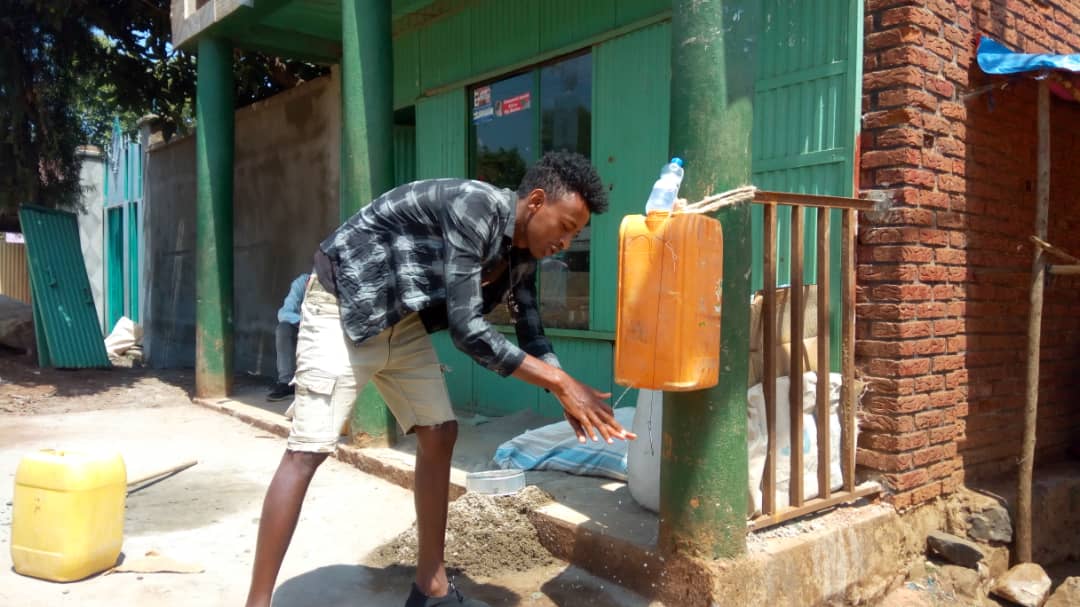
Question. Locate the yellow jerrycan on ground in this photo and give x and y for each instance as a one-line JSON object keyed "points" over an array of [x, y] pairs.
{"points": [[669, 295], [67, 518]]}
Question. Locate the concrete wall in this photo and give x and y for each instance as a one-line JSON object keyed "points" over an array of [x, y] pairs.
{"points": [[169, 331], [91, 224], [285, 202]]}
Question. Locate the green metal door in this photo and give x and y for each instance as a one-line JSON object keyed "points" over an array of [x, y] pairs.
{"points": [[404, 154], [114, 266], [123, 197], [630, 144], [806, 121], [440, 135]]}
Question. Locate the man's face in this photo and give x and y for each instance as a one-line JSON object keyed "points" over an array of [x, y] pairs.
{"points": [[553, 221]]}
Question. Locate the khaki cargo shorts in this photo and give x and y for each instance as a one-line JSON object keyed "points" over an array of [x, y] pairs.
{"points": [[330, 370]]}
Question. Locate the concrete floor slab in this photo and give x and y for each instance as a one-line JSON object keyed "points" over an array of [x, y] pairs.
{"points": [[208, 514], [846, 555], [596, 524]]}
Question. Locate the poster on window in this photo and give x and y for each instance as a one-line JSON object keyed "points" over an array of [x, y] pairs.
{"points": [[514, 104], [483, 114], [483, 110], [481, 96]]}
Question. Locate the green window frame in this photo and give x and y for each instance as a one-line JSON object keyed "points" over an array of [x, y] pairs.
{"points": [[552, 103]]}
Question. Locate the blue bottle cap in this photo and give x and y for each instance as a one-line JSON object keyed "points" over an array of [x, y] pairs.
{"points": [[677, 161]]}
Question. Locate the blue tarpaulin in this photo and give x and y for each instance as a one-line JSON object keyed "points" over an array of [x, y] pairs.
{"points": [[996, 58]]}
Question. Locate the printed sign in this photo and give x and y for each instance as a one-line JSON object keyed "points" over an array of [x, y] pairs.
{"points": [[484, 113], [481, 96], [14, 237], [512, 105]]}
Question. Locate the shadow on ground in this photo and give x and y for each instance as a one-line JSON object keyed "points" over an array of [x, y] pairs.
{"points": [[349, 585]]}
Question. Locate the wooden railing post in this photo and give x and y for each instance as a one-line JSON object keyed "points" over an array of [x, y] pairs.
{"points": [[772, 512], [768, 353], [798, 308], [823, 383]]}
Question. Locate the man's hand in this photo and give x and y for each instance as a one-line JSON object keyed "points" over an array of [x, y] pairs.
{"points": [[584, 407], [587, 412]]}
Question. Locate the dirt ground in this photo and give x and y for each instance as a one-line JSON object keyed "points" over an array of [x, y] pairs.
{"points": [[208, 515], [487, 536]]}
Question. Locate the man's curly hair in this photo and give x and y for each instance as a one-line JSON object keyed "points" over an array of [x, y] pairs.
{"points": [[559, 173]]}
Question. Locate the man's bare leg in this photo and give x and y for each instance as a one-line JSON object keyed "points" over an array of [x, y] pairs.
{"points": [[435, 445], [280, 512]]}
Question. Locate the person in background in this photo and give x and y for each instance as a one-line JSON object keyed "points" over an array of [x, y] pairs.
{"points": [[285, 339]]}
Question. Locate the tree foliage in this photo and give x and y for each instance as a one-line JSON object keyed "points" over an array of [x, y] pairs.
{"points": [[67, 67]]}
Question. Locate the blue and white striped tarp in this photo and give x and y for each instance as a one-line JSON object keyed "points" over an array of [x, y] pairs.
{"points": [[555, 447]]}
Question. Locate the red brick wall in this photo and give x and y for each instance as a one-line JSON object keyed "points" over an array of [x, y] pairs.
{"points": [[944, 273]]}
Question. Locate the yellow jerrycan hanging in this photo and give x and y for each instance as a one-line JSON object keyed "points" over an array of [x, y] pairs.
{"points": [[67, 519], [669, 294]]}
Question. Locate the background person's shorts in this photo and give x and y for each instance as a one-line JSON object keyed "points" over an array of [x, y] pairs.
{"points": [[330, 370]]}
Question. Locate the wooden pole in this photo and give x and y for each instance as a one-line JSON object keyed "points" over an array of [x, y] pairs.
{"points": [[1052, 250], [1038, 275], [824, 442], [795, 393], [158, 473], [1071, 270], [847, 348], [769, 503]]}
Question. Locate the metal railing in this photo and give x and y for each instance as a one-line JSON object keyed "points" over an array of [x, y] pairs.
{"points": [[773, 512]]}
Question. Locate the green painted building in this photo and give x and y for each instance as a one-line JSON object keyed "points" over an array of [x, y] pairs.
{"points": [[768, 91], [495, 84], [481, 88]]}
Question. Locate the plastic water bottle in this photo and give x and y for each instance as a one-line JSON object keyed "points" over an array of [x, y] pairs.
{"points": [[666, 188]]}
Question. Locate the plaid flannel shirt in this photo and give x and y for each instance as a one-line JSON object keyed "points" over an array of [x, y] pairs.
{"points": [[424, 247]]}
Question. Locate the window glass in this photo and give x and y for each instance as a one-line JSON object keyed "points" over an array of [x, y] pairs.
{"points": [[504, 128], [566, 124], [514, 121], [504, 140]]}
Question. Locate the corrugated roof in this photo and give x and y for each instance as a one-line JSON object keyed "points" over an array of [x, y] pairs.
{"points": [[68, 332]]}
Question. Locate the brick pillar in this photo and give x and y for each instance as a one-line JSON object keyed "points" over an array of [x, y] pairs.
{"points": [[944, 271], [912, 264]]}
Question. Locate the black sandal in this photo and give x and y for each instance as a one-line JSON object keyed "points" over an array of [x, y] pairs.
{"points": [[453, 598]]}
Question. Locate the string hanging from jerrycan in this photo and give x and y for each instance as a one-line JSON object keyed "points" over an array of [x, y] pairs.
{"points": [[669, 296]]}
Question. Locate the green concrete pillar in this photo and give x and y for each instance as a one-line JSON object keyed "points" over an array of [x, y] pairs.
{"points": [[367, 103], [214, 100], [703, 469], [367, 148]]}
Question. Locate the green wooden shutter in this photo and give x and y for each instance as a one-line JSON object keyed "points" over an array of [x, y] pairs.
{"points": [[806, 120], [440, 152], [404, 154], [631, 101], [441, 135]]}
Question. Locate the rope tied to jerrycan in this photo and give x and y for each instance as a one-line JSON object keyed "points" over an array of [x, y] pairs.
{"points": [[715, 202]]}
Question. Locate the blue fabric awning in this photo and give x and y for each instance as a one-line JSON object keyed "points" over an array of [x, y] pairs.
{"points": [[996, 58]]}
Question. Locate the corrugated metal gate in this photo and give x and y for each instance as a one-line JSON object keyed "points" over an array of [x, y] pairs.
{"points": [[123, 241], [65, 318]]}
